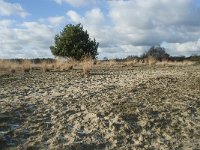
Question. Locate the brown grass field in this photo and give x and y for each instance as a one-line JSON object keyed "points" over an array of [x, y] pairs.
{"points": [[109, 105]]}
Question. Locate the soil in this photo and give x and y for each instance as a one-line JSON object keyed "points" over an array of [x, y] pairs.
{"points": [[141, 107]]}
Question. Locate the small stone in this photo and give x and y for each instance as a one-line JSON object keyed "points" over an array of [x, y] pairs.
{"points": [[83, 107]]}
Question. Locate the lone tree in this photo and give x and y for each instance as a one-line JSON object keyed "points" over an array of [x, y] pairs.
{"points": [[74, 42], [157, 52]]}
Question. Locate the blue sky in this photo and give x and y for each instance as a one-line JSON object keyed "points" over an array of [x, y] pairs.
{"points": [[122, 27]]}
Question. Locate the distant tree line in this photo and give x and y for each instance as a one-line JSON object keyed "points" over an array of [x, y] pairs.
{"points": [[156, 52], [159, 53], [35, 60]]}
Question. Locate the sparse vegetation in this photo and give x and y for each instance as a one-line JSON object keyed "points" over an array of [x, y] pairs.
{"points": [[120, 104], [87, 64], [131, 62], [151, 60], [72, 63], [45, 65], [112, 62], [26, 65]]}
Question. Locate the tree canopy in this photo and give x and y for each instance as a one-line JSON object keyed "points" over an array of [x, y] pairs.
{"points": [[157, 52], [74, 42]]}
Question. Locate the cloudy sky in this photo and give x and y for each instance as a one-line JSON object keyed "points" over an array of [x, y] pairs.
{"points": [[122, 27]]}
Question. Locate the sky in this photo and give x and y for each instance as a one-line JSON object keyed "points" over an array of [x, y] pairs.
{"points": [[122, 27]]}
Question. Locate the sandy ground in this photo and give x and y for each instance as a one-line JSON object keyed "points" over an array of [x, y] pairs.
{"points": [[120, 108]]}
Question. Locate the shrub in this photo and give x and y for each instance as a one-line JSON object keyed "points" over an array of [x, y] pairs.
{"points": [[157, 53], [74, 42]]}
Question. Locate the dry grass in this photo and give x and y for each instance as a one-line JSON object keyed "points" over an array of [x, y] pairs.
{"points": [[71, 63], [14, 67], [131, 62], [175, 63], [8, 66], [87, 64], [99, 62], [26, 65], [4, 64], [112, 63], [45, 66], [106, 63], [187, 62], [164, 62], [151, 60], [65, 65], [140, 62], [57, 65]]}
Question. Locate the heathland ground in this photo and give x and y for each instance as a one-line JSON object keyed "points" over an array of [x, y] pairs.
{"points": [[111, 106]]}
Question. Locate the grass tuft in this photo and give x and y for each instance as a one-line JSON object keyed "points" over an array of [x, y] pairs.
{"points": [[112, 63], [131, 62], [151, 60], [26, 65], [87, 64]]}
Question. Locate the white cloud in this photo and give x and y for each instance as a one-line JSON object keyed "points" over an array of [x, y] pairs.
{"points": [[54, 21], [94, 17], [94, 22], [155, 21], [136, 25], [28, 40], [5, 23], [121, 51], [72, 2], [185, 49], [8, 9], [74, 16]]}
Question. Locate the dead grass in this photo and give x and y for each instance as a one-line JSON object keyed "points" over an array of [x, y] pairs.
{"points": [[45, 66], [4, 64], [62, 65], [14, 66], [87, 64], [112, 63], [71, 63], [175, 63], [187, 62], [99, 62], [151, 60], [8, 66], [26, 65], [164, 62], [57, 65], [131, 62]]}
